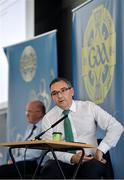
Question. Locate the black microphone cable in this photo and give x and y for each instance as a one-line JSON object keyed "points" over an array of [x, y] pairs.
{"points": [[53, 125]]}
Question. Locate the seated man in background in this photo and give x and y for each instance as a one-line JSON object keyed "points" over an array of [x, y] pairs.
{"points": [[26, 163], [80, 126]]}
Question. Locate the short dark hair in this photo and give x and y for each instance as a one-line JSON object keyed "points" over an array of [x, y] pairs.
{"points": [[42, 107], [60, 79]]}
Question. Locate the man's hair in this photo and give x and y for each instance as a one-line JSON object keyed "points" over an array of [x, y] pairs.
{"points": [[60, 79], [42, 107]]}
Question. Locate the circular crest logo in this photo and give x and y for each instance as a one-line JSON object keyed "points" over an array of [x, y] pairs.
{"points": [[99, 54], [28, 64]]}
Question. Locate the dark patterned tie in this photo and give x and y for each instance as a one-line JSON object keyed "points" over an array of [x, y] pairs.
{"points": [[30, 134]]}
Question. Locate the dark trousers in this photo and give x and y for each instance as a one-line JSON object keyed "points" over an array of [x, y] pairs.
{"points": [[92, 169], [26, 168]]}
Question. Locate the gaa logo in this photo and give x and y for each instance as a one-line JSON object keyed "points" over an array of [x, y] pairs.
{"points": [[28, 63], [99, 54]]}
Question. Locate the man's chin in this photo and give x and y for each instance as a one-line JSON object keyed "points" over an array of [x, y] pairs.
{"points": [[62, 106]]}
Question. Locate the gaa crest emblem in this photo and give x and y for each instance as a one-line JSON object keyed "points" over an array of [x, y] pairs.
{"points": [[28, 63], [99, 54]]}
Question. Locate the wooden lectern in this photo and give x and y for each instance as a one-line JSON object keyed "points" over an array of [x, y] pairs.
{"points": [[47, 146]]}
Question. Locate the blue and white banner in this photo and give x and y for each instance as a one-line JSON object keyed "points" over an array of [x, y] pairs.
{"points": [[32, 66], [98, 59]]}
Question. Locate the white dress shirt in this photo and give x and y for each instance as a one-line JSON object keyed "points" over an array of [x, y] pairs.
{"points": [[30, 153], [84, 117]]}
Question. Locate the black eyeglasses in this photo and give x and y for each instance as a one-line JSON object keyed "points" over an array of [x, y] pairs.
{"points": [[61, 91]]}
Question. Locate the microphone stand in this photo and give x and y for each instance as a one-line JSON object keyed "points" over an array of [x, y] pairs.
{"points": [[53, 125]]}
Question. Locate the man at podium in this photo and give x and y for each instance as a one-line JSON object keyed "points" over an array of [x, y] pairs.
{"points": [[80, 126], [26, 163]]}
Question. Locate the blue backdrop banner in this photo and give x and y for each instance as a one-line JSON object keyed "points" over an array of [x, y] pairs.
{"points": [[98, 61], [32, 66]]}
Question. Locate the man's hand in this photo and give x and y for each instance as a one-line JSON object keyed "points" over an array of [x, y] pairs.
{"points": [[99, 156], [76, 157], [10, 162]]}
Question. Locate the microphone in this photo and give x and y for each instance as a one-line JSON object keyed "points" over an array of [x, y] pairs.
{"points": [[53, 125]]}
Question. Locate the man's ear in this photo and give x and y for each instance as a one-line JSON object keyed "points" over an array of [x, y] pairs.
{"points": [[72, 91]]}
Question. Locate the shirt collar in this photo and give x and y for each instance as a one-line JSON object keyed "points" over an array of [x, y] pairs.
{"points": [[73, 107], [38, 124]]}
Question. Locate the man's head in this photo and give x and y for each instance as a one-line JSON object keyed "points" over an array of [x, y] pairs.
{"points": [[35, 111], [62, 92]]}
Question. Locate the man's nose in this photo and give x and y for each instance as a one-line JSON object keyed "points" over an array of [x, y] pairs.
{"points": [[59, 94]]}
